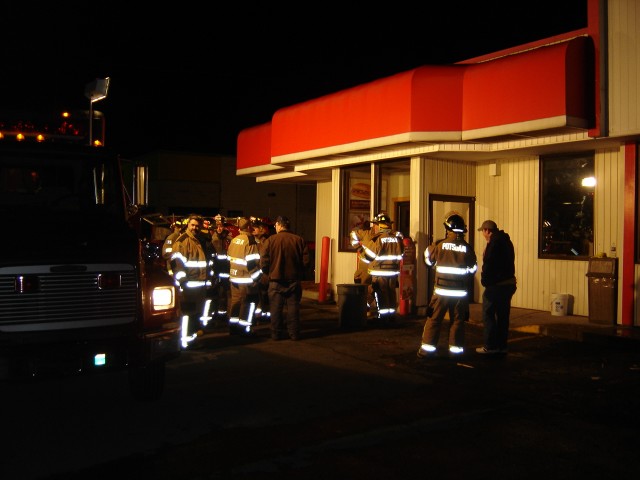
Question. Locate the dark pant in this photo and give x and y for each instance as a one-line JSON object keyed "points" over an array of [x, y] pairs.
{"points": [[219, 295], [244, 298], [496, 307], [192, 305], [384, 291], [458, 309], [283, 294]]}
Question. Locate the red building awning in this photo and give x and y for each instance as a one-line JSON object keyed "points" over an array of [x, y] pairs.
{"points": [[548, 87]]}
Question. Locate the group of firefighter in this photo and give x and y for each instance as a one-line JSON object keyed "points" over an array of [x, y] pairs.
{"points": [[216, 267], [205, 262]]}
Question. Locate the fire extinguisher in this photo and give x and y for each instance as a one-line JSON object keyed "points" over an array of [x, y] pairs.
{"points": [[407, 280]]}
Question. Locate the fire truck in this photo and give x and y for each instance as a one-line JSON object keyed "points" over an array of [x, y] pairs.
{"points": [[81, 289]]}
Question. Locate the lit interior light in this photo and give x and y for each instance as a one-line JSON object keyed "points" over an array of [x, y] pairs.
{"points": [[589, 182], [100, 359]]}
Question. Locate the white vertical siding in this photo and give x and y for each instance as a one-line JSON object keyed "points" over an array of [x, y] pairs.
{"points": [[609, 206], [624, 67], [450, 177], [419, 222], [511, 199]]}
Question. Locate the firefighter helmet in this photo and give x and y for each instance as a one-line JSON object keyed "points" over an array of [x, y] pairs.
{"points": [[455, 223], [382, 219]]}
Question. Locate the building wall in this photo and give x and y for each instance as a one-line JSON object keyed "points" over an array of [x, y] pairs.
{"points": [[512, 200], [624, 66], [208, 184], [327, 216]]}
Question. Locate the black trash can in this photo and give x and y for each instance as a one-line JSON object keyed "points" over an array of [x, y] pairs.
{"points": [[352, 305], [603, 290]]}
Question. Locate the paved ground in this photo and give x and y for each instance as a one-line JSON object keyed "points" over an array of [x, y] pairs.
{"points": [[346, 403]]}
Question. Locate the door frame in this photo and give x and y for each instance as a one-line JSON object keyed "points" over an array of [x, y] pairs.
{"points": [[466, 206]]}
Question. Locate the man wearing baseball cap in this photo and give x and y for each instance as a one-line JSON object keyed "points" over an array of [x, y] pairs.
{"points": [[499, 281]]}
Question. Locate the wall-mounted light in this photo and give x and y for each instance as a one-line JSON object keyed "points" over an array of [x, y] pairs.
{"points": [[589, 182]]}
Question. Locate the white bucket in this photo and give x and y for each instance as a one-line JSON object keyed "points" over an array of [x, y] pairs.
{"points": [[559, 303]]}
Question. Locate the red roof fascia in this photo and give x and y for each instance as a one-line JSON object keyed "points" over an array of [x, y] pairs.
{"points": [[544, 83], [551, 82], [423, 99], [254, 147]]}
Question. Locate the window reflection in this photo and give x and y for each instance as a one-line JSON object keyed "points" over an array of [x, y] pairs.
{"points": [[566, 212]]}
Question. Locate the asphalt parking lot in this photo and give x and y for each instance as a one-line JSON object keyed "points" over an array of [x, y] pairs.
{"points": [[342, 403]]}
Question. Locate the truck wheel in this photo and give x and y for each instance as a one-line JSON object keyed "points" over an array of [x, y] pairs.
{"points": [[147, 382]]}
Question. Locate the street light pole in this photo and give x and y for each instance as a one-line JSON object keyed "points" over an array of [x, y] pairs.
{"points": [[95, 91]]}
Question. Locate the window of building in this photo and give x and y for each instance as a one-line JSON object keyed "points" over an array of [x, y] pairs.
{"points": [[566, 206], [355, 202], [361, 200]]}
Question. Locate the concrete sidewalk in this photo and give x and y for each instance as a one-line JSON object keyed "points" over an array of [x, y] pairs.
{"points": [[571, 327], [539, 322]]}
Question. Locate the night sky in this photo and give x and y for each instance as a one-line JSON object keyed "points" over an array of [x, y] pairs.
{"points": [[192, 77]]}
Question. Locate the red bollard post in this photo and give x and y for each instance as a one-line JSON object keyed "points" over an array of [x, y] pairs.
{"points": [[324, 269]]}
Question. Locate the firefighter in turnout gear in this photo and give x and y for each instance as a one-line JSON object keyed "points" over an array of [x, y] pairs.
{"points": [[455, 264], [383, 252], [244, 277], [260, 230], [219, 292], [190, 272], [361, 274], [177, 227]]}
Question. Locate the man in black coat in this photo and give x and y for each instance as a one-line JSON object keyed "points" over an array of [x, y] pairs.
{"points": [[499, 282], [284, 258]]}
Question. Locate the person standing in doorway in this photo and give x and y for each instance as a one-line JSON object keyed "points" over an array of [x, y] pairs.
{"points": [[358, 237], [455, 263], [284, 258], [499, 281], [383, 252]]}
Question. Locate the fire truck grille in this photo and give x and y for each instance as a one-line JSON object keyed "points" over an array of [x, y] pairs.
{"points": [[66, 300]]}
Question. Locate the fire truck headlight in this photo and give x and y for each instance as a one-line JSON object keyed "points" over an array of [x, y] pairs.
{"points": [[164, 298]]}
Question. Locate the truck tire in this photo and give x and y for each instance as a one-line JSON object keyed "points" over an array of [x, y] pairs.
{"points": [[146, 383]]}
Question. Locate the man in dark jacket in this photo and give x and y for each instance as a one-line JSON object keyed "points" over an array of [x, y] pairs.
{"points": [[284, 258], [499, 282]]}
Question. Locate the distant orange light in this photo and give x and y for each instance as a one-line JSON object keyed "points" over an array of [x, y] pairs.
{"points": [[97, 143], [40, 138], [20, 137], [1, 135], [66, 114]]}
